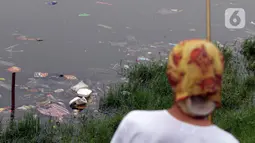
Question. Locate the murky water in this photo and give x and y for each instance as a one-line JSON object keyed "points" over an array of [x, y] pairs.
{"points": [[89, 46]]}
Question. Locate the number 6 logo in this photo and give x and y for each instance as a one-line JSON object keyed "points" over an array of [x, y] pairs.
{"points": [[235, 18]]}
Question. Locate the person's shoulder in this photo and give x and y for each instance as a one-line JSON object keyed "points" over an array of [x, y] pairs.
{"points": [[139, 116], [225, 137]]}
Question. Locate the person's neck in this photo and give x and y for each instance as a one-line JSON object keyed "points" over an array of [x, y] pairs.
{"points": [[178, 114]]}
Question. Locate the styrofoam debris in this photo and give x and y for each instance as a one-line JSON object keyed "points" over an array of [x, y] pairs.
{"points": [[126, 67], [84, 92], [59, 90], [78, 101], [79, 85]]}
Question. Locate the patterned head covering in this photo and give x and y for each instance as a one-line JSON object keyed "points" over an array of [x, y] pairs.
{"points": [[195, 67]]}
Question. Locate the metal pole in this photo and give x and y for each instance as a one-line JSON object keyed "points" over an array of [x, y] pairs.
{"points": [[13, 95], [208, 20], [208, 29]]}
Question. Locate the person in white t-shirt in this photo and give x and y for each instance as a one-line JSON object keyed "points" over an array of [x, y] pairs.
{"points": [[194, 71]]}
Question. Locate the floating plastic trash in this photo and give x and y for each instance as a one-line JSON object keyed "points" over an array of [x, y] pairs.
{"points": [[84, 92], [70, 77], [25, 107], [54, 110], [40, 74], [24, 38], [2, 79], [104, 26], [79, 85], [252, 22], [14, 69], [119, 44], [5, 63], [142, 59], [32, 90], [172, 44], [4, 85], [84, 14], [11, 47], [4, 109], [126, 67], [192, 30], [78, 103], [59, 90], [52, 3], [105, 3], [165, 11]]}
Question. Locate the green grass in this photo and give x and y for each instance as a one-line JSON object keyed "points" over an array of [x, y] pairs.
{"points": [[147, 88]]}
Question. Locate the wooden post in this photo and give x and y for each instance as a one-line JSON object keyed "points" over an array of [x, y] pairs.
{"points": [[13, 95]]}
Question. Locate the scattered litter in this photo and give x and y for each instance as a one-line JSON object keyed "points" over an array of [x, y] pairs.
{"points": [[105, 3], [252, 22], [249, 31], [118, 44], [24, 38], [52, 3], [142, 58], [2, 79], [59, 90], [126, 67], [165, 11], [84, 92], [11, 51], [149, 53], [124, 79], [172, 44], [131, 38], [11, 47], [79, 85], [39, 40], [232, 3], [78, 103], [14, 69], [4, 109], [4, 85], [192, 30], [32, 90], [128, 28], [104, 26], [40, 74], [84, 14], [75, 112], [5, 63], [25, 107], [54, 110], [70, 77]]}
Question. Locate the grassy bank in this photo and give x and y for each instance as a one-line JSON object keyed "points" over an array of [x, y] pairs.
{"points": [[148, 89]]}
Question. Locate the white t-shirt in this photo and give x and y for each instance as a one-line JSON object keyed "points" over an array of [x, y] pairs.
{"points": [[161, 127]]}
